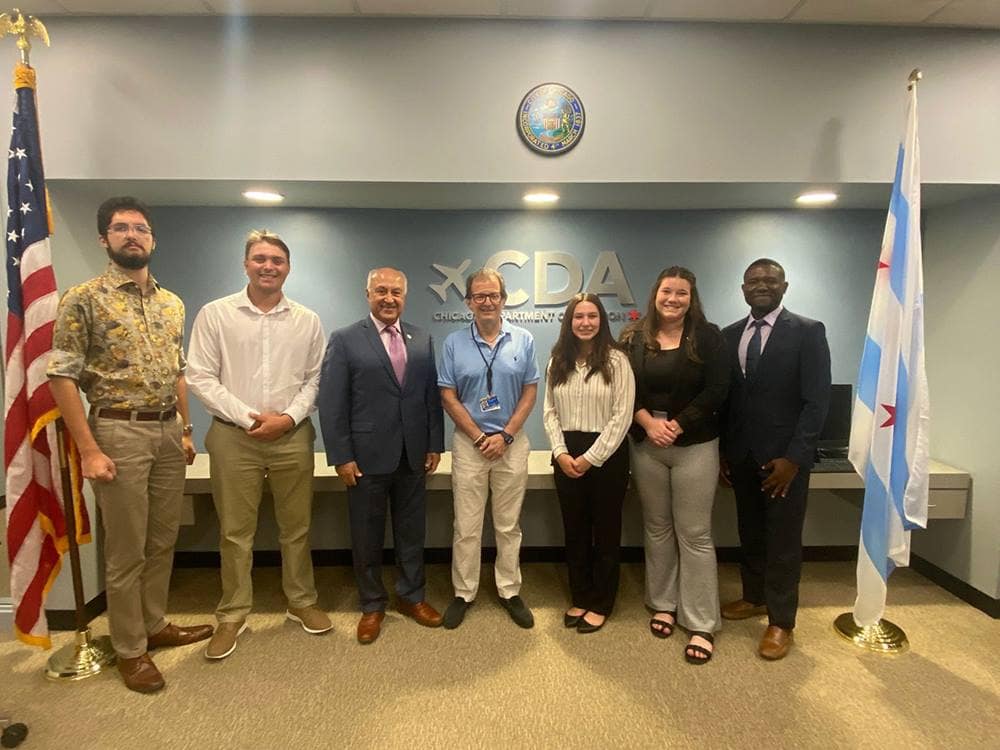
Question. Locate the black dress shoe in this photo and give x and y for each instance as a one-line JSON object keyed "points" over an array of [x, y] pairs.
{"points": [[570, 621], [585, 627], [455, 613], [518, 611]]}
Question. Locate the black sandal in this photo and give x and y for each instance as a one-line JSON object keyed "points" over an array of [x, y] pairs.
{"points": [[662, 628], [701, 654]]}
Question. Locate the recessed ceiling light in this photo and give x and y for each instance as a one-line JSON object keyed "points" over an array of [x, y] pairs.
{"points": [[263, 196], [818, 198], [540, 197]]}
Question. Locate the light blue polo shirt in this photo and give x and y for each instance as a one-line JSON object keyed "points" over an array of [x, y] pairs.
{"points": [[463, 369]]}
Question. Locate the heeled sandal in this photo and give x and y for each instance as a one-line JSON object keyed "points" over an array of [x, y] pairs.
{"points": [[662, 628], [701, 654]]}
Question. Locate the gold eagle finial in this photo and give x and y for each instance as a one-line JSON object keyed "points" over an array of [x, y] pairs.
{"points": [[21, 26]]}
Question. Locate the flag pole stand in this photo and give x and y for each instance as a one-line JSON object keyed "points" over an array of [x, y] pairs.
{"points": [[86, 656], [883, 637]]}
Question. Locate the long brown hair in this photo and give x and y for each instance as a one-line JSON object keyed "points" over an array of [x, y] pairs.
{"points": [[694, 318], [567, 346]]}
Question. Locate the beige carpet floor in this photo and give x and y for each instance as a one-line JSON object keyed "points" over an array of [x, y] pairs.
{"points": [[490, 684]]}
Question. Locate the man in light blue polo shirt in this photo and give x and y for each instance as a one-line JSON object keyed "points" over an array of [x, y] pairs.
{"points": [[489, 381]]}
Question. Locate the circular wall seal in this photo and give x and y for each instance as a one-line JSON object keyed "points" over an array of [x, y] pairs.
{"points": [[550, 119]]}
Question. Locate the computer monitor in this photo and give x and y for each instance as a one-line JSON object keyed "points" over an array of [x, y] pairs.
{"points": [[836, 432]]}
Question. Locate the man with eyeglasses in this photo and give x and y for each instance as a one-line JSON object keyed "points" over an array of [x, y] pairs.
{"points": [[119, 338], [489, 381], [383, 429], [254, 362]]}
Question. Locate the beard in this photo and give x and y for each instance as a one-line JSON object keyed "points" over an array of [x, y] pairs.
{"points": [[128, 260]]}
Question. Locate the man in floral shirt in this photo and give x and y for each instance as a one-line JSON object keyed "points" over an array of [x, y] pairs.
{"points": [[119, 338]]}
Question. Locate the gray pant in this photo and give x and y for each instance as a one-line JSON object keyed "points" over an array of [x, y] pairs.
{"points": [[677, 489]]}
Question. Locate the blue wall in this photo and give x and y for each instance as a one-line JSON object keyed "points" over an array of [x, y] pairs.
{"points": [[829, 257]]}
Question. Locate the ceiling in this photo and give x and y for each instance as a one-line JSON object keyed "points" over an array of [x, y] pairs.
{"points": [[581, 196], [500, 196], [972, 13]]}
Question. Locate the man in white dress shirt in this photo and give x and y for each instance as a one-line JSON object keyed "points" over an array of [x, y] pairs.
{"points": [[254, 362]]}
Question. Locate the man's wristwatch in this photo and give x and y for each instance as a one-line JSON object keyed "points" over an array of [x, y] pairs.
{"points": [[507, 437], [187, 429]]}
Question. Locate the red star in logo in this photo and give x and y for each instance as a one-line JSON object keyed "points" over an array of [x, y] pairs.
{"points": [[891, 411], [633, 314]]}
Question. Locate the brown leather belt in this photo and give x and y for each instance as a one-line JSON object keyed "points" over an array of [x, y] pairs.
{"points": [[139, 416], [223, 421]]}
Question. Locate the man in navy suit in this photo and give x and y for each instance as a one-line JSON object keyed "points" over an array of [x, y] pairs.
{"points": [[383, 427], [779, 393]]}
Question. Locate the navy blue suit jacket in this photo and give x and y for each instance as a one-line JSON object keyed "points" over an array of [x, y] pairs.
{"points": [[781, 410], [365, 415]]}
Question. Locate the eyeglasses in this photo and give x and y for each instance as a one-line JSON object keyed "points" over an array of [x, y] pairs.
{"points": [[140, 229], [479, 299]]}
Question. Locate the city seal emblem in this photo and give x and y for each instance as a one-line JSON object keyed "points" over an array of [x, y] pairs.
{"points": [[550, 119]]}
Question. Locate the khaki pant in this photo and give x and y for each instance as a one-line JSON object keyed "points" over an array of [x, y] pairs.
{"points": [[473, 478], [140, 512], [239, 466]]}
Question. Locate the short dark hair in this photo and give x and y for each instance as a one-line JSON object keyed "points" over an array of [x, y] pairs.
{"points": [[265, 235], [766, 262], [120, 203], [485, 273]]}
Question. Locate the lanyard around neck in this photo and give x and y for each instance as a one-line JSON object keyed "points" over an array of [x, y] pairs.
{"points": [[489, 365]]}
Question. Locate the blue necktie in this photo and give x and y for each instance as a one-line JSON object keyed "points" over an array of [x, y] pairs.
{"points": [[753, 348]]}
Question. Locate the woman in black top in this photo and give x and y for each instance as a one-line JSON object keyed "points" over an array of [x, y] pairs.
{"points": [[682, 378]]}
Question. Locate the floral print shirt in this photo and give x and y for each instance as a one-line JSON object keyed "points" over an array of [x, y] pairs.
{"points": [[122, 344]]}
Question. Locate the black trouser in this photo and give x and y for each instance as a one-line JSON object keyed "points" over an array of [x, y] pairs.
{"points": [[592, 521], [403, 493], [771, 541]]}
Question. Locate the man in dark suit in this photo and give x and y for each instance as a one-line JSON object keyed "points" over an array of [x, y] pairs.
{"points": [[779, 393], [383, 427]]}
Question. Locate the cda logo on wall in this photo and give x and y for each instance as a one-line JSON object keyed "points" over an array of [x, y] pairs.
{"points": [[607, 278]]}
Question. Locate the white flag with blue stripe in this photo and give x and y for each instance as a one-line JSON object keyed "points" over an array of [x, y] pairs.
{"points": [[889, 429]]}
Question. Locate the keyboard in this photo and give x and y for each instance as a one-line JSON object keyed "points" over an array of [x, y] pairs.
{"points": [[833, 466]]}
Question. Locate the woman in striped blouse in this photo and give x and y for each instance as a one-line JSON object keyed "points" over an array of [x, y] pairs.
{"points": [[589, 398]]}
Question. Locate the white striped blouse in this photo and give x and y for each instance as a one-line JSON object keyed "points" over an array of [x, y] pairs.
{"points": [[592, 405]]}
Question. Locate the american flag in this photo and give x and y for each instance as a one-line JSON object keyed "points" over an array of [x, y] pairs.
{"points": [[36, 526], [890, 426]]}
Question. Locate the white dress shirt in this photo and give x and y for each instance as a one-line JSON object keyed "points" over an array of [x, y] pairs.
{"points": [[582, 405], [242, 360], [765, 334]]}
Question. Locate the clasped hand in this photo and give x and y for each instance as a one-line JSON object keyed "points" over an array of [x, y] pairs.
{"points": [[270, 425], [574, 468], [663, 432]]}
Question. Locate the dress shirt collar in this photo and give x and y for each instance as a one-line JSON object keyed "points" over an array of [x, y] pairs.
{"points": [[380, 326], [770, 318], [244, 301]]}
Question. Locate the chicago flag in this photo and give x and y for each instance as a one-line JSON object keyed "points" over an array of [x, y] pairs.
{"points": [[889, 428]]}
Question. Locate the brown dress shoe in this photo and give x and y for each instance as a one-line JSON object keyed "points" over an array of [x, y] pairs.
{"points": [[369, 626], [741, 609], [175, 636], [775, 643], [422, 612], [140, 674]]}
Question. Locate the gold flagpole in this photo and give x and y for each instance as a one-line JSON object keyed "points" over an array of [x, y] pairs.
{"points": [[883, 637], [86, 656]]}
